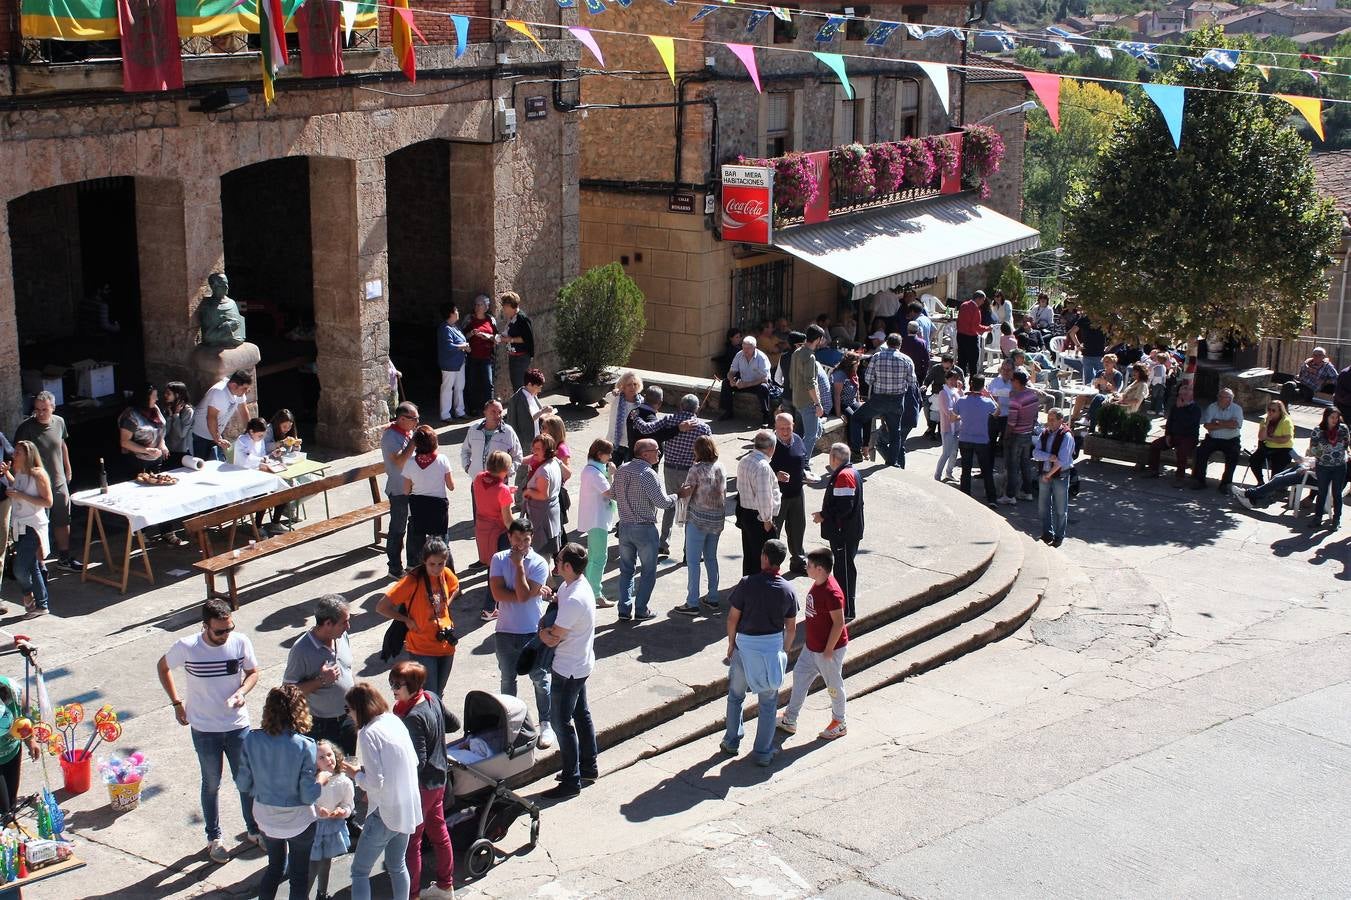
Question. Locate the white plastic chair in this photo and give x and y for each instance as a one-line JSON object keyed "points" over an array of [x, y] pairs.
{"points": [[989, 348], [1310, 483]]}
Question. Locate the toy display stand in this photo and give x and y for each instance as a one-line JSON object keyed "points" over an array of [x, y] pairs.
{"points": [[12, 889], [122, 797]]}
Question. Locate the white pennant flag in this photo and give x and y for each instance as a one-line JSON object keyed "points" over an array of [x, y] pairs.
{"points": [[938, 74], [1104, 52], [349, 17]]}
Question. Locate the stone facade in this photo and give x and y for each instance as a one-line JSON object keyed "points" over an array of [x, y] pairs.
{"points": [[634, 158], [512, 208]]}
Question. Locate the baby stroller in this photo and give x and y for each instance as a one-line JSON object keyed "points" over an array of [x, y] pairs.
{"points": [[498, 743]]}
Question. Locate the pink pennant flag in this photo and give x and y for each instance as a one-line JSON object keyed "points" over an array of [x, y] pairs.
{"points": [[1047, 88], [583, 35], [746, 53]]}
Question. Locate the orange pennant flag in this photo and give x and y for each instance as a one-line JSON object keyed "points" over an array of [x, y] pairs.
{"points": [[401, 27], [1311, 108], [666, 47], [518, 25]]}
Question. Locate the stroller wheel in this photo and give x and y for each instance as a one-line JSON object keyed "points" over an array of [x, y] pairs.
{"points": [[481, 857], [534, 831]]}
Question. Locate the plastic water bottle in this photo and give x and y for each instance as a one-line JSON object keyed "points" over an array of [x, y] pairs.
{"points": [[103, 477]]}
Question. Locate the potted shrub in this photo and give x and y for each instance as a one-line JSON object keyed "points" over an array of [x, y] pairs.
{"points": [[852, 165], [597, 323], [1121, 435]]}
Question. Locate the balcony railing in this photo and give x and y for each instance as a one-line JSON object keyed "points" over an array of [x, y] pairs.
{"points": [[845, 197], [47, 51]]}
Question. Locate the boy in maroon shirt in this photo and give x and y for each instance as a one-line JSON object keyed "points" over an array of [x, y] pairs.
{"points": [[823, 655]]}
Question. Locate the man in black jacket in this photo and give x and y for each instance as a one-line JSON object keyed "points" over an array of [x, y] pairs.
{"points": [[520, 339], [841, 521], [1180, 433]]}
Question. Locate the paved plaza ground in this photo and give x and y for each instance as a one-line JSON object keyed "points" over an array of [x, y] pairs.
{"points": [[1172, 721]]}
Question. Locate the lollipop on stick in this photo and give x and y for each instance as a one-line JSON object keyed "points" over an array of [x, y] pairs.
{"points": [[104, 717], [108, 731]]}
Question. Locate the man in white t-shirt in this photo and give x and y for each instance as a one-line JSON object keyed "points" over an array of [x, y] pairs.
{"points": [[573, 637], [221, 669], [223, 401]]}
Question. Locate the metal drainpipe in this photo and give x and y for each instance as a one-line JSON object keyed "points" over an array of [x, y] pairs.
{"points": [[975, 13], [1341, 295]]}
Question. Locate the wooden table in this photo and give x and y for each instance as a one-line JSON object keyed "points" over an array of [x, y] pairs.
{"points": [[60, 868], [299, 469], [198, 490]]}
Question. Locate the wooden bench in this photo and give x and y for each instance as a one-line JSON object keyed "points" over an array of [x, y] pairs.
{"points": [[1322, 400], [228, 562]]}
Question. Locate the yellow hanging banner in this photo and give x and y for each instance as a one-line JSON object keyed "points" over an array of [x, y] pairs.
{"points": [[666, 47], [1311, 108], [518, 25]]}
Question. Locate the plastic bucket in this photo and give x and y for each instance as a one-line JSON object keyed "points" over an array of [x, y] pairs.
{"points": [[123, 797], [76, 772]]}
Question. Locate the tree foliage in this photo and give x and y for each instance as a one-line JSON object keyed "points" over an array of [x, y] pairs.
{"points": [[598, 320], [1054, 159], [1226, 234]]}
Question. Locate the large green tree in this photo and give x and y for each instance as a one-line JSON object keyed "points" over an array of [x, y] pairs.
{"points": [[1055, 158], [1227, 234]]}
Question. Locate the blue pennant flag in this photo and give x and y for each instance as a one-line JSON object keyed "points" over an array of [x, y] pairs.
{"points": [[755, 18], [942, 31], [704, 11], [1065, 48], [566, 4], [1223, 60], [1003, 37], [1141, 51], [1060, 32], [625, 3], [596, 7], [881, 34], [915, 31], [829, 30], [1169, 98]]}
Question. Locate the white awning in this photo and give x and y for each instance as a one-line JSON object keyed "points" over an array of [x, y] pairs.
{"points": [[916, 241]]}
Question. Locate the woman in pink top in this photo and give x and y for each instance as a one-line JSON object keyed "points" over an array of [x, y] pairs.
{"points": [[492, 505]]}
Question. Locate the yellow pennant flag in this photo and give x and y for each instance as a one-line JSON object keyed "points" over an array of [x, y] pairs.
{"points": [[666, 47], [1265, 70], [1311, 108], [518, 25]]}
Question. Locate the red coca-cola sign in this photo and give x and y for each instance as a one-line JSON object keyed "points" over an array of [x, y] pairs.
{"points": [[747, 204]]}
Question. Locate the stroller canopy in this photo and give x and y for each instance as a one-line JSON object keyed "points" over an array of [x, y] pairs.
{"points": [[501, 715]]}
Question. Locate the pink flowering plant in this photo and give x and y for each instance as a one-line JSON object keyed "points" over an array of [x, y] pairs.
{"points": [[888, 161], [944, 154], [852, 164], [795, 184], [920, 168], [983, 148]]}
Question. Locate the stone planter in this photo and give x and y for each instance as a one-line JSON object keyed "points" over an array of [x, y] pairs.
{"points": [[586, 393], [1097, 447]]}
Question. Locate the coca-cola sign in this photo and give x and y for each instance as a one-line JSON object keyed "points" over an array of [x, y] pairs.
{"points": [[747, 204]]}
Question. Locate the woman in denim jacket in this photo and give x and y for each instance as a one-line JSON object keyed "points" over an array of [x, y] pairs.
{"points": [[279, 770]]}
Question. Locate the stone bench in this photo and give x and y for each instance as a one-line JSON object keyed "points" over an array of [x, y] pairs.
{"points": [[744, 406]]}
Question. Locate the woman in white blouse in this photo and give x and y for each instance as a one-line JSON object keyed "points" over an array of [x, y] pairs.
{"points": [[388, 774], [426, 480]]}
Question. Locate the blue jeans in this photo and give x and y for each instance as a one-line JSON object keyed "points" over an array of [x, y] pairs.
{"points": [[736, 697], [398, 527], [637, 545], [571, 718], [210, 747], [509, 647], [1278, 484], [28, 567], [438, 670], [1330, 478], [294, 865], [1054, 504], [888, 406], [1019, 471], [700, 546], [377, 838], [811, 427], [517, 364], [204, 449]]}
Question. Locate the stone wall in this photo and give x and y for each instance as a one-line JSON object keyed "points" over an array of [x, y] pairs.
{"points": [[528, 207]]}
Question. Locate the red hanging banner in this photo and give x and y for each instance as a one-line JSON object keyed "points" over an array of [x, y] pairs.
{"points": [[747, 204], [319, 27], [151, 60], [819, 209]]}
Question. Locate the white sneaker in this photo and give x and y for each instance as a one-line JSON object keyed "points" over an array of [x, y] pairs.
{"points": [[432, 892], [216, 850], [1241, 496], [546, 738], [1006, 501], [1026, 496]]}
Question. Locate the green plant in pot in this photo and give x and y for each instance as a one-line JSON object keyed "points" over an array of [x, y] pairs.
{"points": [[597, 322], [1116, 423]]}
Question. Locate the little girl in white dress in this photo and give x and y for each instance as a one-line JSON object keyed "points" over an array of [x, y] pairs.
{"points": [[333, 807]]}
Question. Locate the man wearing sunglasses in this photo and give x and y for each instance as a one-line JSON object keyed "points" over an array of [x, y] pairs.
{"points": [[220, 669], [396, 448]]}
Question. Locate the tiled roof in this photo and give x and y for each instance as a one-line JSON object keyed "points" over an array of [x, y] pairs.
{"points": [[1332, 170], [990, 69]]}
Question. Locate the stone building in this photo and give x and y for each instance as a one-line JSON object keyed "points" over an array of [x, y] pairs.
{"points": [[344, 213], [652, 153]]}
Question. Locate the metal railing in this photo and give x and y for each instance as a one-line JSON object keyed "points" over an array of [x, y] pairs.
{"points": [[49, 51]]}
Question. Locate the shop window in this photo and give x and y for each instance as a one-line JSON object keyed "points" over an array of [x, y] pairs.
{"points": [[907, 108]]}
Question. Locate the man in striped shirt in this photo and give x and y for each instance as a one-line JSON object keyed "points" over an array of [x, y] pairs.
{"points": [[639, 495], [891, 375], [1020, 473], [758, 500]]}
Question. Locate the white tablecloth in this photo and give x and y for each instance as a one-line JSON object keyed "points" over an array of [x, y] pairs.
{"points": [[216, 484]]}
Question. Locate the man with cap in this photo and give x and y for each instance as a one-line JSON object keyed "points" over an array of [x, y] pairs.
{"points": [[1315, 376]]}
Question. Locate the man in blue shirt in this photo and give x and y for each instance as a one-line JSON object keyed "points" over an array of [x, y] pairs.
{"points": [[396, 448], [1223, 422], [973, 433], [451, 349], [516, 577], [1053, 450]]}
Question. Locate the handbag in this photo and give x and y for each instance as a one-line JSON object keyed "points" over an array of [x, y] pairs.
{"points": [[395, 635]]}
